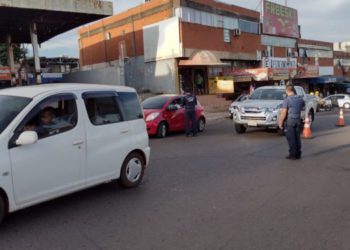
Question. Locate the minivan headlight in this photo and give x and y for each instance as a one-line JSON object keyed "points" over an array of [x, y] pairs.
{"points": [[152, 116]]}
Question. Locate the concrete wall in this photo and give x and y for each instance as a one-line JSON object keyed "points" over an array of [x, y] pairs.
{"points": [[156, 77], [109, 76]]}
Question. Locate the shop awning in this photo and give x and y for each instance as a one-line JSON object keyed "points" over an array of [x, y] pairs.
{"points": [[203, 58], [326, 80]]}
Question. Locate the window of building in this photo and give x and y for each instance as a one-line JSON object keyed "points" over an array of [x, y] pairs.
{"points": [[130, 105], [269, 51], [54, 115], [227, 37], [249, 26], [102, 108]]}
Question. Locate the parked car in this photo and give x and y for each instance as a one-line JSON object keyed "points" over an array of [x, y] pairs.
{"points": [[339, 100], [166, 113], [263, 108], [233, 105], [58, 139]]}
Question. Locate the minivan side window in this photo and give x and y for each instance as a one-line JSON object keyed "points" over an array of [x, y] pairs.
{"points": [[130, 105], [54, 115], [102, 107]]}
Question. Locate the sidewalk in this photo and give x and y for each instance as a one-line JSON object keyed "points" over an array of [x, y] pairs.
{"points": [[212, 117]]}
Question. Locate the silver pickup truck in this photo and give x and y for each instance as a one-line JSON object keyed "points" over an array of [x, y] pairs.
{"points": [[263, 108]]}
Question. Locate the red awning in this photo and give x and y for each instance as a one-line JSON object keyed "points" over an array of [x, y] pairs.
{"points": [[203, 58]]}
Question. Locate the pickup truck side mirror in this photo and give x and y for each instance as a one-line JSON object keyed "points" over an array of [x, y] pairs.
{"points": [[27, 138]]}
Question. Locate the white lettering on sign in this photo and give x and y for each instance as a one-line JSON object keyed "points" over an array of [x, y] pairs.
{"points": [[279, 62]]}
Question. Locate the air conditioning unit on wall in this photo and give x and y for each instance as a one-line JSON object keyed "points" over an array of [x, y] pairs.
{"points": [[237, 32]]}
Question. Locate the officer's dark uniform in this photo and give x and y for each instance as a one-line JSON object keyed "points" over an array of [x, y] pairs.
{"points": [[294, 105], [190, 102]]}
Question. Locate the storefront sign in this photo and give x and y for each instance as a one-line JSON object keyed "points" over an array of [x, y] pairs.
{"points": [[308, 71], [259, 74], [5, 74], [280, 20], [224, 86], [279, 62]]}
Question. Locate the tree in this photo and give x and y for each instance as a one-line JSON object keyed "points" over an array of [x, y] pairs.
{"points": [[18, 51]]}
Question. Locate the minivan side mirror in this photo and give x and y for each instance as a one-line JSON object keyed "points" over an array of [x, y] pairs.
{"points": [[27, 138]]}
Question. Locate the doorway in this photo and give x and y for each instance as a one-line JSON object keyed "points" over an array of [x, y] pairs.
{"points": [[194, 80]]}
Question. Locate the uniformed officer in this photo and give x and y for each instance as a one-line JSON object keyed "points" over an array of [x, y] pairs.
{"points": [[291, 110], [190, 102]]}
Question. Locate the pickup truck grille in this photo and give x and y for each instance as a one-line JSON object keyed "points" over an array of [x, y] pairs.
{"points": [[253, 118]]}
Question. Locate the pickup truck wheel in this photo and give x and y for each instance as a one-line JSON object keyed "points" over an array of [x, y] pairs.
{"points": [[2, 209], [240, 129], [347, 105], [132, 171]]}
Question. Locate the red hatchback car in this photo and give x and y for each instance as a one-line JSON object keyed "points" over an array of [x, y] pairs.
{"points": [[166, 113]]}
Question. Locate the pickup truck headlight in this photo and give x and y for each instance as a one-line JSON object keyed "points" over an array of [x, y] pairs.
{"points": [[152, 116]]}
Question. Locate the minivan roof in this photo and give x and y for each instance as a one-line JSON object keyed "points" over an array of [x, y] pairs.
{"points": [[32, 91]]}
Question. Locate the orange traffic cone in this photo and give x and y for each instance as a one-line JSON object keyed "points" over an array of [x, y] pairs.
{"points": [[341, 120], [307, 134]]}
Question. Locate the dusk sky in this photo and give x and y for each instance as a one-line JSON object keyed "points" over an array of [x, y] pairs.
{"points": [[325, 20]]}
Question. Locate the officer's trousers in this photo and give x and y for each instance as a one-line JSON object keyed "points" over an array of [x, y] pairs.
{"points": [[293, 137], [191, 122]]}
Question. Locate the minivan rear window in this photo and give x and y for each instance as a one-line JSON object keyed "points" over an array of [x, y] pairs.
{"points": [[10, 107], [131, 105], [102, 108]]}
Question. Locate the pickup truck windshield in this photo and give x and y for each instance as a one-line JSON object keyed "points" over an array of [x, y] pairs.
{"points": [[10, 107], [268, 94]]}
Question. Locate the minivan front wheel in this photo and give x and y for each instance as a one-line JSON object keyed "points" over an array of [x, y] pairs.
{"points": [[2, 209], [132, 171]]}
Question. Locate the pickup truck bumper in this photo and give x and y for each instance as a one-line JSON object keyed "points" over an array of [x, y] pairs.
{"points": [[257, 120]]}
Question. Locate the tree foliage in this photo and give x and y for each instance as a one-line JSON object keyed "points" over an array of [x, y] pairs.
{"points": [[18, 51]]}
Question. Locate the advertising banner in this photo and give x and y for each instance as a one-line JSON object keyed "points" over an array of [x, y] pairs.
{"points": [[280, 20], [308, 71], [279, 62], [5, 74]]}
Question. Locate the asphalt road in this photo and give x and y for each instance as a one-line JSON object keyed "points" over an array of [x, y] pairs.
{"points": [[216, 191]]}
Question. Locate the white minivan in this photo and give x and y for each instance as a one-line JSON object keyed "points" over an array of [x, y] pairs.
{"points": [[58, 139]]}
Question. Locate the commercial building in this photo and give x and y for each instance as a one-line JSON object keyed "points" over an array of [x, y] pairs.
{"points": [[209, 47], [166, 45]]}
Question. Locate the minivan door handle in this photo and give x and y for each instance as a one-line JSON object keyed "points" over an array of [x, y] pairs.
{"points": [[124, 131], [78, 142]]}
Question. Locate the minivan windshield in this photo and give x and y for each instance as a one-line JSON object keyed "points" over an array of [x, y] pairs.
{"points": [[268, 94], [157, 102], [10, 107]]}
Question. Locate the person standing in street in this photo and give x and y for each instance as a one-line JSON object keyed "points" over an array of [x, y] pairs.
{"points": [[291, 113], [190, 102]]}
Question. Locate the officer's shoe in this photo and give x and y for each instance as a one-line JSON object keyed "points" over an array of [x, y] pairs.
{"points": [[293, 158]]}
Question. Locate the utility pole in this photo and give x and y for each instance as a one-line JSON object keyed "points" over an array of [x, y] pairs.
{"points": [[286, 2]]}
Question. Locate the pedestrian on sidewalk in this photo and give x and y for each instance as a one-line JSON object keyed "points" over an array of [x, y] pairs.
{"points": [[291, 113], [200, 84], [190, 102]]}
